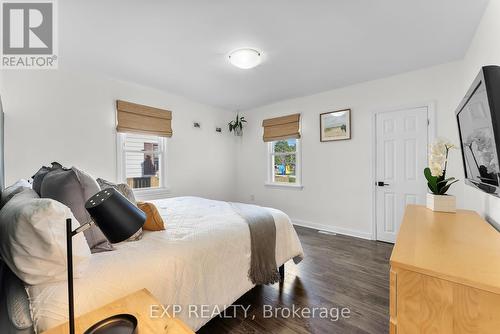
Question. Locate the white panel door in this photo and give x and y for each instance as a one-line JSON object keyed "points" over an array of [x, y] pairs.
{"points": [[401, 156]]}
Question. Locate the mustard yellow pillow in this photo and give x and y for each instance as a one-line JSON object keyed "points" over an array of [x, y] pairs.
{"points": [[154, 222]]}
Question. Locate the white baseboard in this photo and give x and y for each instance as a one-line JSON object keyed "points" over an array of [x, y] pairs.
{"points": [[333, 229]]}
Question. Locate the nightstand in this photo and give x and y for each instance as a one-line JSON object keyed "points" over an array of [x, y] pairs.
{"points": [[137, 304]]}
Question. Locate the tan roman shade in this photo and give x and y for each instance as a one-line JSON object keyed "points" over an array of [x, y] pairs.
{"points": [[138, 118], [284, 127]]}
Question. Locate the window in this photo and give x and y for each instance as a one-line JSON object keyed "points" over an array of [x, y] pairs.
{"points": [[284, 162], [141, 161]]}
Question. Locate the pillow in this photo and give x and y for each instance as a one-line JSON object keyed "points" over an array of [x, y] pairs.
{"points": [[39, 176], [89, 185], [13, 190], [154, 222], [26, 193], [126, 191], [17, 303], [122, 188], [33, 240], [72, 187], [22, 183]]}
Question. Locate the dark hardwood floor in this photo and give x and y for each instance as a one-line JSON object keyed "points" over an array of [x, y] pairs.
{"points": [[337, 272]]}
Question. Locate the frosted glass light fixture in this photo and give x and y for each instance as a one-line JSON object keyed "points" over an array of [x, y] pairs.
{"points": [[245, 58]]}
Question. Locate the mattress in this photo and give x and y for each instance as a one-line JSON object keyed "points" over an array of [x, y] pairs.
{"points": [[202, 258]]}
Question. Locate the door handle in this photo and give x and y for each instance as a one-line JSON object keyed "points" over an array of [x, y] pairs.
{"points": [[382, 184]]}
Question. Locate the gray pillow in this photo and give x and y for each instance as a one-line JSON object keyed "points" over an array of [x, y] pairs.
{"points": [[126, 191], [122, 188], [42, 172], [89, 185], [72, 188]]}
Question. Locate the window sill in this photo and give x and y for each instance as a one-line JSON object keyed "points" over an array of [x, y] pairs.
{"points": [[151, 193], [284, 185]]}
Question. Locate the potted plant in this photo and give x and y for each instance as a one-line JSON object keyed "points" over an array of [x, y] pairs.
{"points": [[437, 199], [237, 125]]}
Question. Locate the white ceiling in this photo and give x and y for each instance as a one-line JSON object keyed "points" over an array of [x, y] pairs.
{"points": [[308, 46]]}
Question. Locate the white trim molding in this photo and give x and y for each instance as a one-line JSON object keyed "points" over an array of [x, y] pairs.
{"points": [[298, 169], [333, 229], [284, 185], [144, 193], [147, 194]]}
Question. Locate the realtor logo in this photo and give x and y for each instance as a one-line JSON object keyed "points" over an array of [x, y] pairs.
{"points": [[28, 35]]}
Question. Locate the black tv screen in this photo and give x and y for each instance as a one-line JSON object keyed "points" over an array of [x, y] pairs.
{"points": [[478, 119]]}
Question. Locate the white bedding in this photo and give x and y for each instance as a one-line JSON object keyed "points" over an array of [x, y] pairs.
{"points": [[202, 258]]}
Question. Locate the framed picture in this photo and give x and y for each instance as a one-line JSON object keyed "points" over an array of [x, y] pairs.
{"points": [[335, 125]]}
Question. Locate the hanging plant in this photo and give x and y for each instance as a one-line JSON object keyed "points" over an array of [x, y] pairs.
{"points": [[237, 125]]}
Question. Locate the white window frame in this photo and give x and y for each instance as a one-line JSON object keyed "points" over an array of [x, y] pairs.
{"points": [[298, 167], [143, 193]]}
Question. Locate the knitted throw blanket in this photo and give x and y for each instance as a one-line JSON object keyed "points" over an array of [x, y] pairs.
{"points": [[263, 269]]}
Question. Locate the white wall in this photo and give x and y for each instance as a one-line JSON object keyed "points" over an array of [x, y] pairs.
{"points": [[70, 118], [52, 115], [484, 50], [337, 176]]}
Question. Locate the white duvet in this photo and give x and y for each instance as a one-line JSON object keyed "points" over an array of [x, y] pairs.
{"points": [[202, 258]]}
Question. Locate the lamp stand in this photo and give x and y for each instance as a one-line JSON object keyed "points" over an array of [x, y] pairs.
{"points": [[69, 249], [69, 254], [118, 219]]}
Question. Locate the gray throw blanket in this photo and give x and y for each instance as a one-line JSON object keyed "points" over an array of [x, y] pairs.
{"points": [[263, 269]]}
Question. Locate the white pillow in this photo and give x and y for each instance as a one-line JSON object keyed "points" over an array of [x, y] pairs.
{"points": [[33, 240], [22, 183]]}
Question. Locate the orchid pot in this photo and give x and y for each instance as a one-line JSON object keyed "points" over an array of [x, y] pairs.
{"points": [[441, 203], [437, 182]]}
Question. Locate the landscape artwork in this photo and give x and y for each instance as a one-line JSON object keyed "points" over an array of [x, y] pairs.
{"points": [[335, 125]]}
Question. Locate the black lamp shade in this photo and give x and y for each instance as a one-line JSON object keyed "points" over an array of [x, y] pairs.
{"points": [[115, 215]]}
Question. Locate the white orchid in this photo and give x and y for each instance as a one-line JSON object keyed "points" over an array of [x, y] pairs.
{"points": [[438, 156], [436, 169], [436, 172]]}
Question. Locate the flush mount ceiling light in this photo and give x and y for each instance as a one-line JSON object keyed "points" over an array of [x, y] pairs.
{"points": [[245, 58]]}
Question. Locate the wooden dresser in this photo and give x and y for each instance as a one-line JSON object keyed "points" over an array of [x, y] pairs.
{"points": [[445, 274]]}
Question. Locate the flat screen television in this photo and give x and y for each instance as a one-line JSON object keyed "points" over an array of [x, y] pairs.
{"points": [[478, 117]]}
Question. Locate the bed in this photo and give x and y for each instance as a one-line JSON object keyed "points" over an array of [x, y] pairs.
{"points": [[202, 258]]}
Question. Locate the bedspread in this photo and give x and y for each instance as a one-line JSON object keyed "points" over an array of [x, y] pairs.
{"points": [[202, 258]]}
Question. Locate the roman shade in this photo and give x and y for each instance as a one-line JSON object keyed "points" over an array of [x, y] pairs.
{"points": [[284, 127], [138, 118]]}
